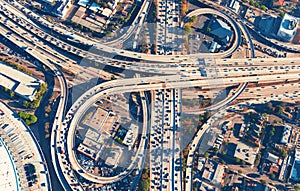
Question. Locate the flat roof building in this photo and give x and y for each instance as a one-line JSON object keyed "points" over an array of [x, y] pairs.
{"points": [[245, 153], [106, 12], [288, 27], [22, 84], [214, 172], [295, 172], [287, 131], [221, 30]]}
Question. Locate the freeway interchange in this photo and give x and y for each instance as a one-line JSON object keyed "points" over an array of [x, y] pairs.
{"points": [[161, 112]]}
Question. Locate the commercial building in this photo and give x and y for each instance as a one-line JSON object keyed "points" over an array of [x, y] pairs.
{"points": [[11, 177], [273, 158], [234, 5], [221, 31], [22, 84], [214, 172], [287, 131], [288, 27], [245, 153], [295, 172], [23, 149], [113, 157]]}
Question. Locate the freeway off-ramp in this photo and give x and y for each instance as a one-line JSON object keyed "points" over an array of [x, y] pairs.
{"points": [[62, 139], [136, 85]]}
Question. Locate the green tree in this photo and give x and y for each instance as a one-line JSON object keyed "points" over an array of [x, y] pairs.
{"points": [[192, 19], [26, 103], [28, 118], [282, 14], [297, 187], [257, 160], [264, 8], [216, 149], [272, 176], [256, 4], [278, 109], [208, 29], [188, 29], [237, 160], [206, 155], [12, 93], [251, 2], [263, 182]]}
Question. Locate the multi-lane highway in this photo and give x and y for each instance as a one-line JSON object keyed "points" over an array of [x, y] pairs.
{"points": [[165, 170], [136, 85]]}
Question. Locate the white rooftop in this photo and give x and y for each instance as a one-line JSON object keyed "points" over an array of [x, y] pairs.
{"points": [[8, 173], [288, 27], [19, 82], [286, 134], [106, 12]]}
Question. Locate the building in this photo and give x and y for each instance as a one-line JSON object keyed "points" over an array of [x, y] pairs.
{"points": [[214, 172], [287, 28], [234, 5], [95, 7], [278, 3], [245, 153], [295, 172], [287, 131], [22, 84], [266, 24], [273, 158], [91, 153], [214, 46], [131, 135], [221, 31], [113, 157], [19, 147], [106, 12], [97, 119], [83, 3]]}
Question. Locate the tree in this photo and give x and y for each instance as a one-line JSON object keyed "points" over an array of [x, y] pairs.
{"points": [[251, 2], [278, 109], [240, 171], [26, 104], [208, 29], [206, 155], [192, 19], [263, 182], [297, 187], [256, 4], [272, 176], [188, 29], [257, 160], [237, 160], [216, 149], [28, 118], [244, 1], [265, 115], [282, 14], [12, 93], [264, 8]]}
